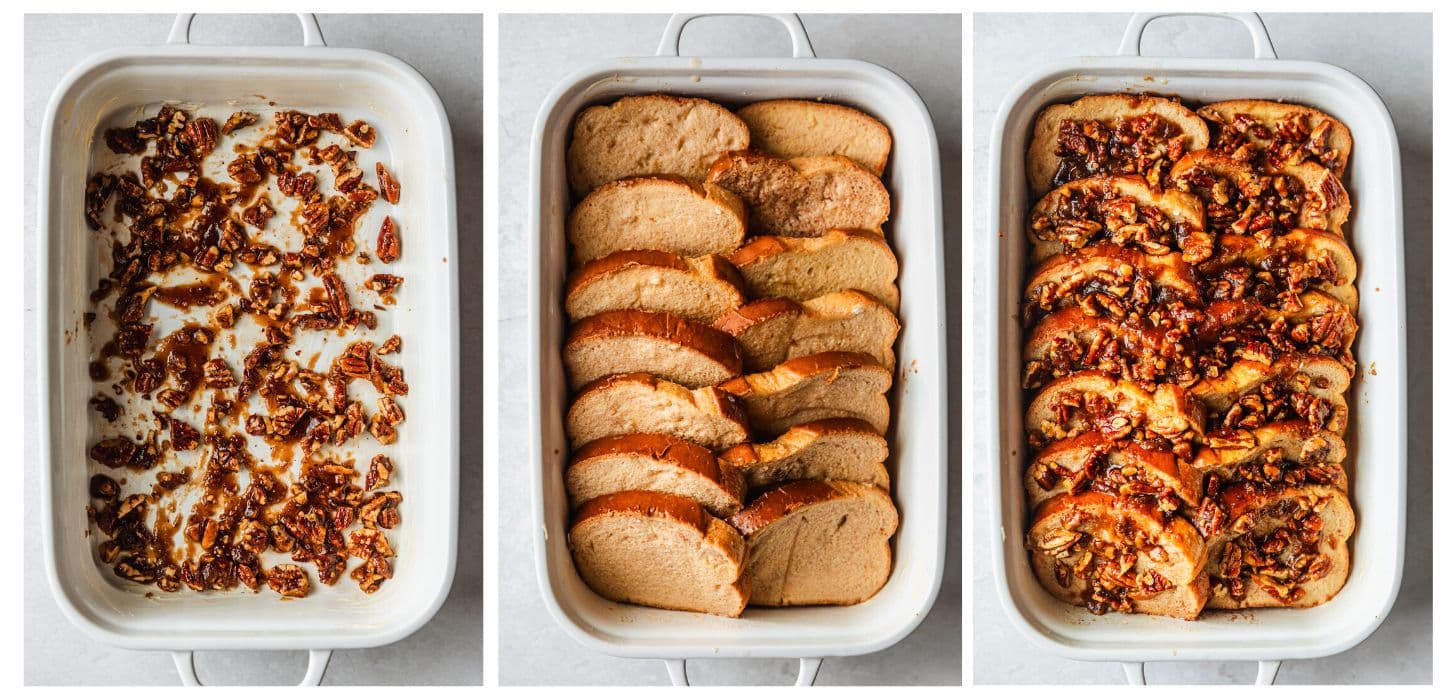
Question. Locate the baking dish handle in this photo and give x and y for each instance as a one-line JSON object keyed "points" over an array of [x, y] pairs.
{"points": [[677, 671], [672, 36], [1135, 675], [312, 35], [1132, 39], [318, 662]]}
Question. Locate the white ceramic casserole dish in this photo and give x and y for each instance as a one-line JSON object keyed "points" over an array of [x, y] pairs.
{"points": [[414, 140], [1377, 432], [917, 462]]}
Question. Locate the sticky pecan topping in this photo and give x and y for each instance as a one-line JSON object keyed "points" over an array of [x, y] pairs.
{"points": [[1146, 145], [1279, 561], [1107, 567], [1291, 139], [1091, 214]]}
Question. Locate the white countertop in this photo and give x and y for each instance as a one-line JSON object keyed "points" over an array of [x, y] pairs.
{"points": [[536, 52], [1393, 54], [446, 49]]}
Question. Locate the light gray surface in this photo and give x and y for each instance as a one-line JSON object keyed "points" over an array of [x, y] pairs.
{"points": [[447, 50], [1393, 54], [536, 52]]}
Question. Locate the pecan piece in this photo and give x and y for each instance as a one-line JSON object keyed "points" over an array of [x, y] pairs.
{"points": [[381, 468], [288, 580], [387, 246], [360, 133], [388, 186]]}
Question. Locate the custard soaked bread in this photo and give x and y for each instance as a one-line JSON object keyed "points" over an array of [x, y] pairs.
{"points": [[661, 212], [649, 135], [1289, 548], [1273, 134], [624, 341], [842, 449], [794, 128], [1092, 461], [1111, 135], [770, 331], [654, 462], [1123, 210], [814, 387], [660, 550], [1239, 198], [624, 404], [803, 196], [804, 268], [698, 289], [817, 543]]}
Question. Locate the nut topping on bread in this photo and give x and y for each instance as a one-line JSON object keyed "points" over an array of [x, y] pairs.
{"points": [[1111, 135], [1121, 210], [1274, 134]]}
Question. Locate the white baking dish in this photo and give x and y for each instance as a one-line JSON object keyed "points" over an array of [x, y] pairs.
{"points": [[1377, 433], [414, 139], [918, 441]]}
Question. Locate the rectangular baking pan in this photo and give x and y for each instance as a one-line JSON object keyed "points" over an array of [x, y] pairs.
{"points": [[1377, 432], [917, 462], [414, 139]]}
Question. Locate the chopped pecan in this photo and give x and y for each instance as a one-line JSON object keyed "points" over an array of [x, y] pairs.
{"points": [[388, 186], [387, 245], [288, 580], [360, 133]]}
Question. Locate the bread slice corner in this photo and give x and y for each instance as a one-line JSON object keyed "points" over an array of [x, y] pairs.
{"points": [[627, 340], [795, 128]]}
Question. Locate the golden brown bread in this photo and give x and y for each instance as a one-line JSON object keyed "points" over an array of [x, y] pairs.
{"points": [[656, 212], [1110, 135], [627, 340], [1123, 210], [815, 387], [804, 268], [1121, 467], [1092, 402], [842, 449], [654, 462], [770, 331], [623, 404]]}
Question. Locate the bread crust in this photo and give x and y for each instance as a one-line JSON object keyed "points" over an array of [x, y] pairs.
{"points": [[714, 270], [1158, 468], [755, 259], [712, 344], [871, 149], [759, 390], [830, 322], [1042, 161], [671, 451]]}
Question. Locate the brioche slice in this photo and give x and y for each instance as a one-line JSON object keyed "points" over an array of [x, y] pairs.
{"points": [[1067, 341], [770, 331], [843, 449], [1288, 547], [625, 404], [626, 340], [1251, 393], [698, 289], [1279, 134], [1247, 329], [1118, 554], [1091, 462], [795, 128], [1274, 271], [803, 196], [1110, 135], [1239, 199], [804, 268], [660, 212], [1110, 280], [649, 135], [1117, 409], [653, 462], [1123, 210], [815, 387], [659, 550], [818, 543], [1287, 453]]}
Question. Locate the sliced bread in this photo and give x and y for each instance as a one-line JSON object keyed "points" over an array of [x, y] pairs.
{"points": [[654, 462], [804, 268], [1090, 401], [803, 196], [624, 404], [1279, 133], [1250, 392], [1092, 462], [1289, 549], [794, 128], [627, 340], [817, 543], [660, 550], [659, 212], [843, 449], [770, 331], [814, 387], [1090, 136], [698, 289], [650, 135]]}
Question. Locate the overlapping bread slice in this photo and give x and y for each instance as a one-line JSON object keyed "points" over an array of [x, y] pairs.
{"points": [[1262, 131], [1297, 386], [1110, 280], [1275, 270], [626, 404], [656, 212], [1316, 324], [660, 550], [795, 128], [804, 268], [626, 340], [1091, 402], [815, 387], [1238, 198], [698, 289], [649, 135], [770, 331], [1110, 135], [654, 462], [1124, 468], [1286, 453], [842, 449], [1067, 341], [1123, 210], [1285, 547], [805, 196], [1118, 554], [816, 542]]}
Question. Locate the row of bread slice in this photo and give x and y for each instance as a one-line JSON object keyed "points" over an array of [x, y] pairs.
{"points": [[1259, 520]]}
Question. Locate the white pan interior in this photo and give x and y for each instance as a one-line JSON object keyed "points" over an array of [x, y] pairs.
{"points": [[414, 143], [1376, 436], [917, 461]]}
